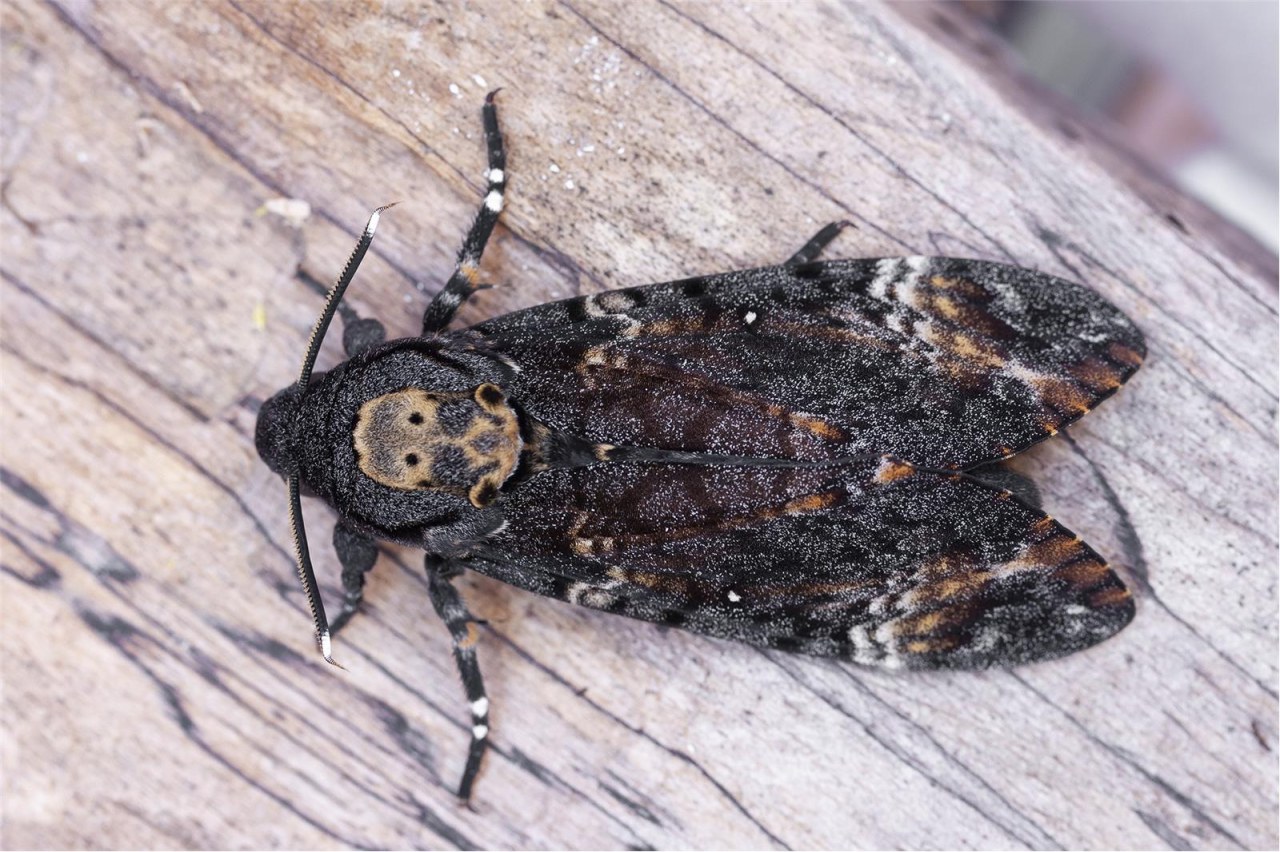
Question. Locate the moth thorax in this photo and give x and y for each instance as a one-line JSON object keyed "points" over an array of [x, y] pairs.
{"points": [[467, 442]]}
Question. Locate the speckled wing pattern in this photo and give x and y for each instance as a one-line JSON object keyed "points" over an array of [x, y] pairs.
{"points": [[875, 560], [823, 415], [944, 362]]}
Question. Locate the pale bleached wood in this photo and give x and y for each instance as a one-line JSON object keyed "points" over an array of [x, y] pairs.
{"points": [[160, 686]]}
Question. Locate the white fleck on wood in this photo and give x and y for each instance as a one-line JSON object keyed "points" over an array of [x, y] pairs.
{"points": [[161, 684]]}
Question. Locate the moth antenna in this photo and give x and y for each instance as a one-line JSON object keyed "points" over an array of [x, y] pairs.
{"points": [[335, 295], [306, 574]]}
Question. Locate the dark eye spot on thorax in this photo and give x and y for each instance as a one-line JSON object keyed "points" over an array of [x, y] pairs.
{"points": [[490, 395]]}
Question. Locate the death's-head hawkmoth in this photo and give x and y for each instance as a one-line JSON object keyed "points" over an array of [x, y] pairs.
{"points": [[798, 457]]}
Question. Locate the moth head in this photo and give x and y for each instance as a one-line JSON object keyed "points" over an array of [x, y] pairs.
{"points": [[276, 432], [467, 442]]}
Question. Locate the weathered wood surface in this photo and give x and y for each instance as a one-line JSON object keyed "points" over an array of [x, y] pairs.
{"points": [[160, 685]]}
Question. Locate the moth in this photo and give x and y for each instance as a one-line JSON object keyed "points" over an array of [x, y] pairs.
{"points": [[802, 457]]}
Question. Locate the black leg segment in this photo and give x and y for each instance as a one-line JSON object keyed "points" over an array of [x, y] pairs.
{"points": [[466, 273], [359, 334], [462, 627], [810, 250], [357, 553]]}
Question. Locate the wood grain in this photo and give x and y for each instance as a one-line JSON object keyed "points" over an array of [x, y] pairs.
{"points": [[160, 684]]}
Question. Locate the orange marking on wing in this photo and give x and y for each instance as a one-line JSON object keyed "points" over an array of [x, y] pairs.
{"points": [[946, 306], [934, 645], [954, 586], [608, 544], [817, 426], [1110, 596], [939, 566], [965, 584], [1124, 354], [972, 352], [945, 565], [663, 328], [1050, 553], [976, 351], [672, 584], [835, 335], [891, 470], [673, 327], [601, 357], [1085, 573], [1096, 375], [920, 625], [1043, 526], [1062, 395], [963, 286], [811, 503]]}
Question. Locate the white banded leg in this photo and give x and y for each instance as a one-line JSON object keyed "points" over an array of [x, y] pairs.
{"points": [[466, 274], [462, 628]]}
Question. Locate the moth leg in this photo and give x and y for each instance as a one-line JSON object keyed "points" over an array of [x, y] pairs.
{"points": [[359, 334], [462, 627], [810, 250], [466, 273], [357, 553]]}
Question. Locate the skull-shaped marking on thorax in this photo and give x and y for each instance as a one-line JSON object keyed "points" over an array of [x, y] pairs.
{"points": [[463, 441]]}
